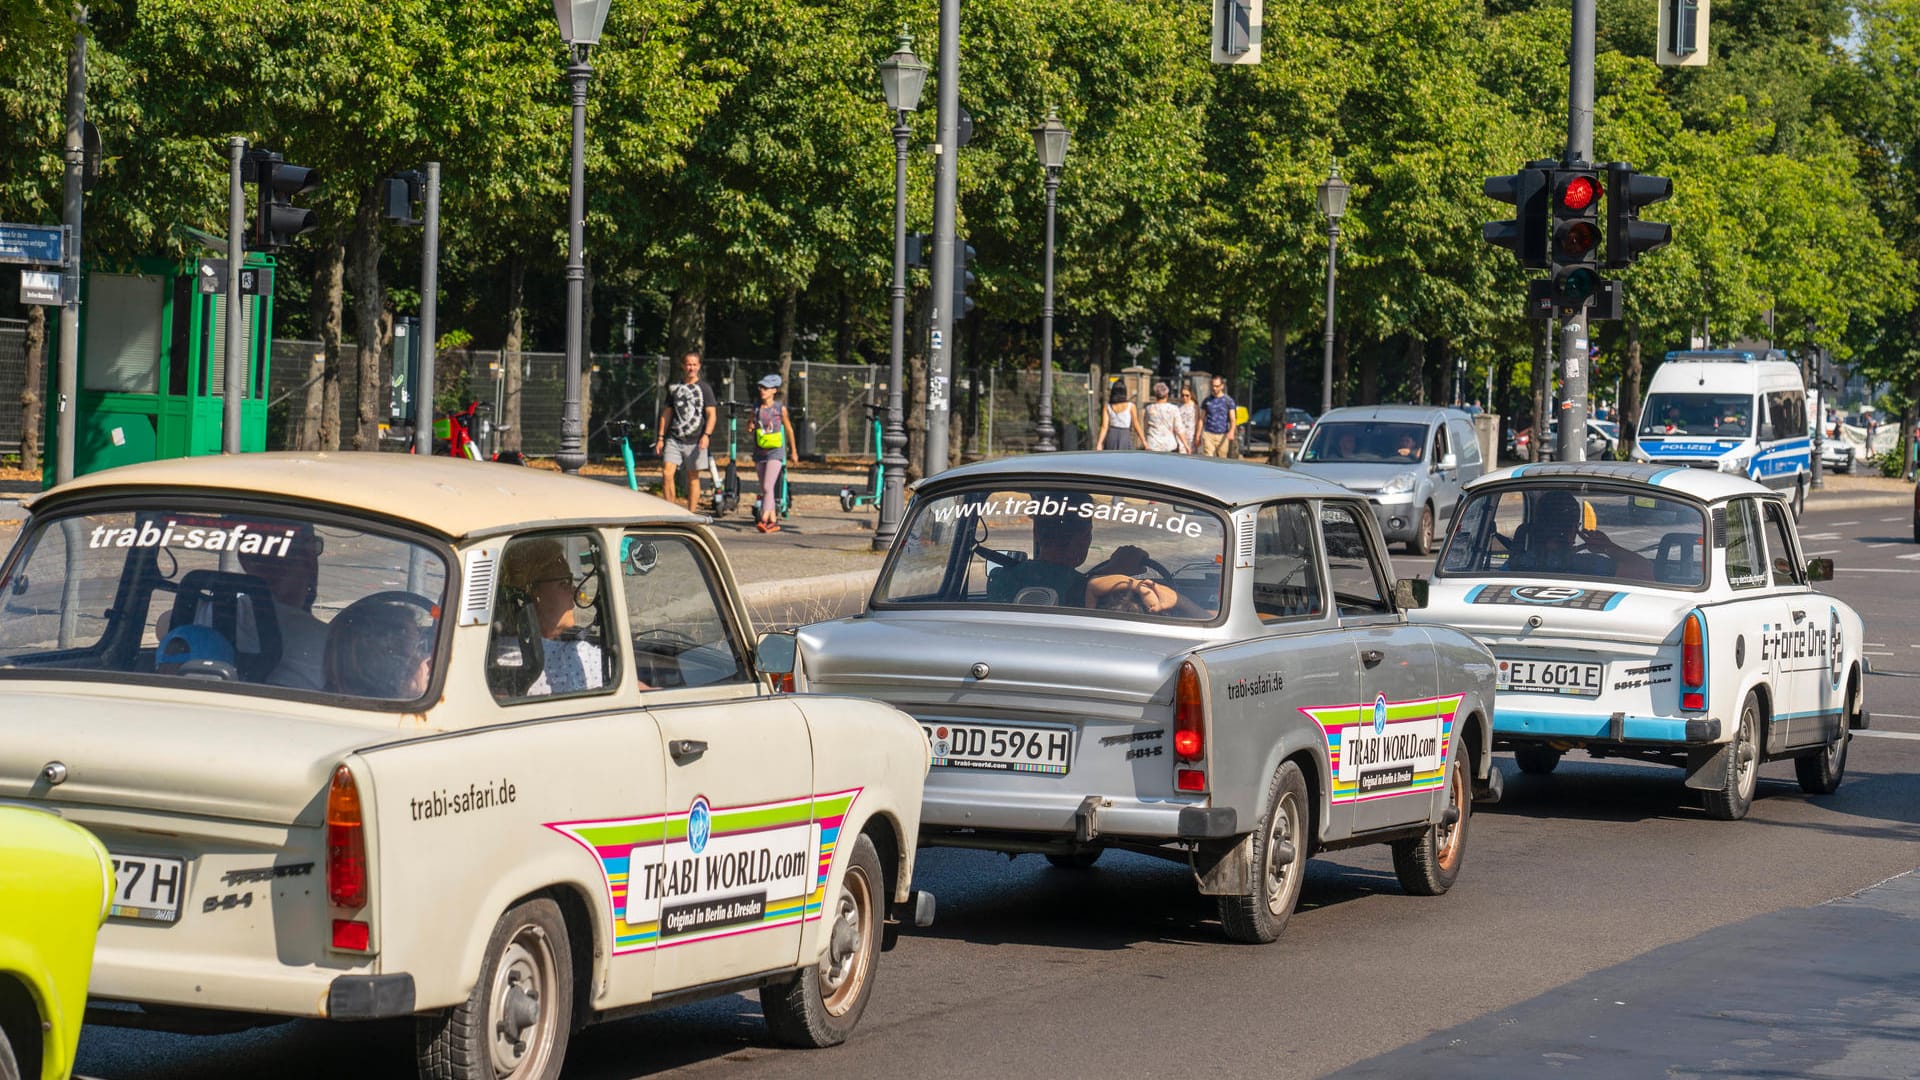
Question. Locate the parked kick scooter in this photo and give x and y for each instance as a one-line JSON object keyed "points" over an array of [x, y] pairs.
{"points": [[869, 493], [726, 489]]}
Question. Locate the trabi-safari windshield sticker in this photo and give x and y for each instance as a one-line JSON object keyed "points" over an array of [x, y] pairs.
{"points": [[707, 872], [1383, 748], [1565, 596]]}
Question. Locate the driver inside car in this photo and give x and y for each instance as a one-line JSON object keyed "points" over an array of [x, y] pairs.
{"points": [[1061, 542], [1552, 534]]}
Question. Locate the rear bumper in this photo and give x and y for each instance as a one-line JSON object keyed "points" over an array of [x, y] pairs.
{"points": [[1613, 729], [1079, 819], [370, 997]]}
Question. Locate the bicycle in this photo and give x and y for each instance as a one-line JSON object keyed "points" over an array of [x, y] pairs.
{"points": [[869, 494], [463, 434]]}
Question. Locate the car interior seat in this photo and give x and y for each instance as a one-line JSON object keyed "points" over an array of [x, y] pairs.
{"points": [[240, 607], [515, 655], [1677, 561]]}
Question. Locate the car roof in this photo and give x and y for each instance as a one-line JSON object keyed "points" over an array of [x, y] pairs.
{"points": [[1216, 480], [1707, 485], [450, 496], [1422, 414]]}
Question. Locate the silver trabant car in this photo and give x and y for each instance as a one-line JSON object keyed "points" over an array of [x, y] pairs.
{"points": [[1192, 658]]}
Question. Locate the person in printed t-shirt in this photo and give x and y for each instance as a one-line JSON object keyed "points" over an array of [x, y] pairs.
{"points": [[686, 429], [1217, 422]]}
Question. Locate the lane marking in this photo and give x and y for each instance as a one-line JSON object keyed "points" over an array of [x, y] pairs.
{"points": [[1872, 570], [1915, 736], [1880, 644], [1894, 716], [1876, 547], [1820, 536], [1893, 519], [1908, 558], [1837, 524], [1874, 652], [1825, 551]]}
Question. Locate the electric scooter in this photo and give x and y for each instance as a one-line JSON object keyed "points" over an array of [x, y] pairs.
{"points": [[869, 493], [726, 490]]}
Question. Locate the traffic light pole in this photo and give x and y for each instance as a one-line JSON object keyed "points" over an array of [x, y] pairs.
{"points": [[429, 315], [945, 190], [1574, 360], [234, 390], [67, 376]]}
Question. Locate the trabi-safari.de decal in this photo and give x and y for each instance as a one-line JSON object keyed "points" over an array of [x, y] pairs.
{"points": [[708, 872]]}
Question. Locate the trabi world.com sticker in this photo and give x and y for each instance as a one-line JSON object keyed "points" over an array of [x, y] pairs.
{"points": [[699, 825]]}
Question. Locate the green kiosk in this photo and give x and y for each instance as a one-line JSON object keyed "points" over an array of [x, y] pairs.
{"points": [[153, 356]]}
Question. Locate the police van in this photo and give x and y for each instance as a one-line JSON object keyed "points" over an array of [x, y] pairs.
{"points": [[1736, 411]]}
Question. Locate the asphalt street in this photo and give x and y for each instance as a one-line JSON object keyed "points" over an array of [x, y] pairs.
{"points": [[1602, 926]]}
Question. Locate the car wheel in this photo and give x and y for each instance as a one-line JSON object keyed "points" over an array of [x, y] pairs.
{"points": [[1734, 797], [1820, 774], [1427, 865], [515, 1023], [1075, 860], [1279, 858], [1422, 542], [820, 1006], [1536, 760]]}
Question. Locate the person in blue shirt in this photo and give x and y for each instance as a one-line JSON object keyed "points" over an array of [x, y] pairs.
{"points": [[1217, 421]]}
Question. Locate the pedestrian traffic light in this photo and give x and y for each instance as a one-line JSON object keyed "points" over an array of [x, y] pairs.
{"points": [[400, 192], [1627, 235], [963, 278], [1576, 234], [919, 250], [277, 221], [1526, 233]]}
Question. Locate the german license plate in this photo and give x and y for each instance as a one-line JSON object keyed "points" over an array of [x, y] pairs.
{"points": [[1549, 677], [145, 887], [1001, 747]]}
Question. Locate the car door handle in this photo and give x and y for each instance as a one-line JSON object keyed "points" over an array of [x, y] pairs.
{"points": [[685, 750], [1372, 657]]}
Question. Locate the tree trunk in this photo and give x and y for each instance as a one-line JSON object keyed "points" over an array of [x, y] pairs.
{"points": [[1100, 343], [916, 416], [512, 371], [1416, 362], [789, 319], [1226, 345], [1277, 360], [1542, 387], [686, 324], [369, 308], [330, 311], [842, 331], [34, 378], [1629, 417], [1340, 346], [1370, 377]]}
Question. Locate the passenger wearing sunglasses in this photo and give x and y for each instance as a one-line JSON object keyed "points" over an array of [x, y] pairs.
{"points": [[539, 570]]}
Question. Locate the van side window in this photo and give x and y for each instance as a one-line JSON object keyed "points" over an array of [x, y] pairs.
{"points": [[1786, 415], [1465, 443], [1439, 443]]}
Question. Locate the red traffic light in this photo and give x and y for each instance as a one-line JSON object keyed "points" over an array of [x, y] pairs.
{"points": [[1579, 193]]}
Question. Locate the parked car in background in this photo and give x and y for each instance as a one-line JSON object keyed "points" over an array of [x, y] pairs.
{"points": [[1255, 437], [1657, 614], [1836, 454], [377, 736], [1409, 461], [1195, 659], [56, 885]]}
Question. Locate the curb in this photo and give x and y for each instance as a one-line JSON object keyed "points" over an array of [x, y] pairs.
{"points": [[1866, 501], [828, 589]]}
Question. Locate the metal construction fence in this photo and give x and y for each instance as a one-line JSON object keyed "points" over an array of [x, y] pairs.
{"points": [[13, 380]]}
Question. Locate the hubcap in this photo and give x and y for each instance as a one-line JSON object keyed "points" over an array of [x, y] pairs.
{"points": [[519, 1041], [843, 970], [1743, 755], [1282, 852], [1447, 838]]}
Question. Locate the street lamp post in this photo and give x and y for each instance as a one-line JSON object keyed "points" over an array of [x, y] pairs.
{"points": [[1050, 139], [1332, 194], [902, 76], [580, 25]]}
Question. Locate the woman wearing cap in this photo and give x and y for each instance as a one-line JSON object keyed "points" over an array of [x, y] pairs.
{"points": [[769, 425]]}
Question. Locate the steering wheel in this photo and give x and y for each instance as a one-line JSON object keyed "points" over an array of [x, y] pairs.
{"points": [[664, 636]]}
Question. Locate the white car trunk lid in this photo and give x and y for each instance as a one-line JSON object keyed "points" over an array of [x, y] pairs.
{"points": [[1568, 612]]}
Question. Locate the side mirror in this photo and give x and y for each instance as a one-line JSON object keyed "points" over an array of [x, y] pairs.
{"points": [[1410, 594], [1449, 461], [1819, 569], [1287, 459], [775, 653]]}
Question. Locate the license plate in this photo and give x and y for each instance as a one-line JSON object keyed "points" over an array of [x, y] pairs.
{"points": [[145, 887], [1549, 677], [1001, 747]]}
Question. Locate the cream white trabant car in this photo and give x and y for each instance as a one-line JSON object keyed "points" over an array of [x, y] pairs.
{"points": [[1664, 614], [380, 736]]}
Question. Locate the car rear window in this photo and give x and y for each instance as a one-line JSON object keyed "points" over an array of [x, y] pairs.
{"points": [[1083, 550], [1581, 531]]}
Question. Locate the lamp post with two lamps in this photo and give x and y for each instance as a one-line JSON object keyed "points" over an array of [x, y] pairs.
{"points": [[902, 76], [580, 25], [1050, 140], [1332, 194]]}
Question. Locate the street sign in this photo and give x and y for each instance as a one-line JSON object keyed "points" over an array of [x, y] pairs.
{"points": [[31, 244], [254, 280], [40, 287]]}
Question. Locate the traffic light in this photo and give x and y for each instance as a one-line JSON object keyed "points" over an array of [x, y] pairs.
{"points": [[1627, 236], [963, 278], [1575, 249], [919, 250], [1526, 233], [277, 220], [400, 192]]}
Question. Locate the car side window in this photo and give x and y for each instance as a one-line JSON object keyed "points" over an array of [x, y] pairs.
{"points": [[1465, 443], [1784, 565], [550, 620], [1744, 567], [1286, 568], [1439, 443], [681, 636], [1359, 588]]}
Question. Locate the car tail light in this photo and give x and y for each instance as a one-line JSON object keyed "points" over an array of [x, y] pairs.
{"points": [[1693, 663], [1189, 716], [351, 936], [346, 843]]}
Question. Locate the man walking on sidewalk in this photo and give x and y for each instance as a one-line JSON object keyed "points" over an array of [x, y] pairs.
{"points": [[686, 429], [1217, 421]]}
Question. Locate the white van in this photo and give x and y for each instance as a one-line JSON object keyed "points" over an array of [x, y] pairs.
{"points": [[1735, 411]]}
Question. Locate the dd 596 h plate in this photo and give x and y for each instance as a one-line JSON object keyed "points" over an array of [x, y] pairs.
{"points": [[1003, 747], [146, 887]]}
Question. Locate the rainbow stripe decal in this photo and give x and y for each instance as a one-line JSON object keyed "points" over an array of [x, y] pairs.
{"points": [[1379, 749], [707, 872]]}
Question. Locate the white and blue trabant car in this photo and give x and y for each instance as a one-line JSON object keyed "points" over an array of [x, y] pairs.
{"points": [[1191, 658], [1662, 614]]}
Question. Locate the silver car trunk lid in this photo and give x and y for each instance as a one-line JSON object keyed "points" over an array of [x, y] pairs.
{"points": [[1568, 612], [1025, 663], [206, 755]]}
